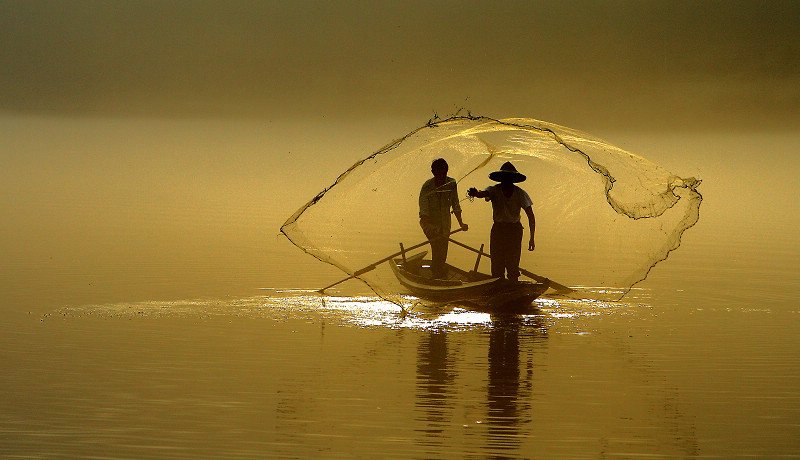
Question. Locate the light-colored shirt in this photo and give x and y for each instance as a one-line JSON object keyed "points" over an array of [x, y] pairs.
{"points": [[507, 209], [435, 202]]}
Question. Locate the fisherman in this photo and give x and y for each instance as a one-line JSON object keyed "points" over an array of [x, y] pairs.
{"points": [[437, 196], [506, 237]]}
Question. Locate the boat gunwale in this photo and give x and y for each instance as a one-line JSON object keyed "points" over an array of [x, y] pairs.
{"points": [[415, 281]]}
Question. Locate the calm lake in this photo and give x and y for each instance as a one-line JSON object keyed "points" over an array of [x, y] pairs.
{"points": [[151, 311]]}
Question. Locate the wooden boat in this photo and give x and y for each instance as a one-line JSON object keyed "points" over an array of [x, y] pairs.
{"points": [[473, 287], [415, 274]]}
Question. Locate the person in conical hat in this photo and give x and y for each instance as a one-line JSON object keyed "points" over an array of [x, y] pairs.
{"points": [[437, 197], [508, 200]]}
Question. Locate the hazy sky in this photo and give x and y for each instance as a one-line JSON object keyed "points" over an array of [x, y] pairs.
{"points": [[636, 63]]}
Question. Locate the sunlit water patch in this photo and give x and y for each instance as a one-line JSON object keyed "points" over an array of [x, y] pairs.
{"points": [[359, 311]]}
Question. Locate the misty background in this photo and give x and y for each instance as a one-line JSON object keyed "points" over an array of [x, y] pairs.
{"points": [[643, 64], [153, 148]]}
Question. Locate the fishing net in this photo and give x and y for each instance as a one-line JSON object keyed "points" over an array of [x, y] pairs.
{"points": [[604, 217]]}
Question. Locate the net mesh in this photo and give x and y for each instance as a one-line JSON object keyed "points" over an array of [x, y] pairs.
{"points": [[604, 217]]}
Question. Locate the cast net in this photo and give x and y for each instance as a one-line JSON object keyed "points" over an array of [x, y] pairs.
{"points": [[604, 217]]}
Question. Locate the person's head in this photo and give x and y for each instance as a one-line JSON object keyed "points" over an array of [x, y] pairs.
{"points": [[439, 167]]}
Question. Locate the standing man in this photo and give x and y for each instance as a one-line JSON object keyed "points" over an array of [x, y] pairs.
{"points": [[506, 238], [437, 196]]}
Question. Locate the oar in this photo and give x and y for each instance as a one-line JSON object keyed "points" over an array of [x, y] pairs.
{"points": [[558, 287], [372, 266]]}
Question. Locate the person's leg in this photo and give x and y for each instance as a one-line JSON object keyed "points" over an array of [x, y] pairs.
{"points": [[436, 256], [514, 251], [438, 253], [439, 257], [496, 251]]}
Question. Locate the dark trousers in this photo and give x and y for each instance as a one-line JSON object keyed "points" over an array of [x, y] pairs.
{"points": [[438, 253], [505, 246]]}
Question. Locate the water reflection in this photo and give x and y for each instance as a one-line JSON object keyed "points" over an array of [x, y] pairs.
{"points": [[435, 379], [353, 376], [510, 343], [503, 396], [509, 391]]}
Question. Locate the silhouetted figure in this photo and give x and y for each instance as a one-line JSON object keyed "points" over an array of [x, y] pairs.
{"points": [[437, 196], [505, 242]]}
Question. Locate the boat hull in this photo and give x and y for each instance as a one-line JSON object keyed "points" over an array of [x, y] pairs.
{"points": [[461, 286]]}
